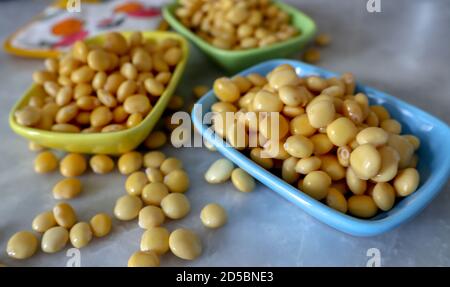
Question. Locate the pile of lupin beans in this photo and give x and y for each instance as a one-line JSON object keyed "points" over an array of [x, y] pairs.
{"points": [[333, 145], [57, 228], [236, 24], [155, 187], [101, 88]]}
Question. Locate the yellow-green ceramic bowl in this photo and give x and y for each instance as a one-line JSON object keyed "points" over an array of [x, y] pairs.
{"points": [[104, 143]]}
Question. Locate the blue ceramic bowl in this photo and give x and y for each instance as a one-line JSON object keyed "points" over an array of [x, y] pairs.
{"points": [[434, 154]]}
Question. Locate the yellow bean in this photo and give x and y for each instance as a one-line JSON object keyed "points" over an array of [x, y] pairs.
{"points": [[155, 239], [81, 90], [336, 200], [154, 192], [154, 87], [64, 96], [112, 128], [99, 60], [185, 244], [308, 164], [362, 206], [341, 131], [87, 103], [177, 181], [143, 259], [332, 167], [54, 239], [83, 74], [113, 82], [137, 104], [355, 184], [352, 110], [403, 147], [173, 56], [66, 114], [413, 140], [64, 215], [65, 128], [22, 245], [389, 164], [83, 118], [200, 90], [213, 215], [130, 162], [226, 90], [320, 113], [242, 180], [288, 172], [134, 120], [175, 205], [106, 98], [365, 161], [45, 162], [299, 146], [372, 135], [73, 165], [135, 183], [99, 80], [381, 112], [68, 65], [116, 43], [323, 40], [129, 71], [80, 51], [151, 216], [119, 115], [372, 119], [80, 234], [142, 61], [101, 116], [406, 181], [125, 90], [43, 221], [100, 224], [322, 144], [300, 125], [101, 164], [170, 164], [127, 207], [274, 126], [311, 55], [28, 116], [220, 171], [40, 77], [52, 65], [391, 126], [316, 184], [284, 77], [255, 155], [384, 196], [67, 188], [33, 146], [266, 101]]}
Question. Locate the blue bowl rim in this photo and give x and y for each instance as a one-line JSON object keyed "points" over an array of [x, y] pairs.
{"points": [[343, 222]]}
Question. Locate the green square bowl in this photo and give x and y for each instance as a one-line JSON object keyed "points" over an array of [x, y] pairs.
{"points": [[113, 143], [234, 61]]}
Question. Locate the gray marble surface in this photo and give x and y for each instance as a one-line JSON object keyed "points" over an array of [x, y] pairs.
{"points": [[403, 50]]}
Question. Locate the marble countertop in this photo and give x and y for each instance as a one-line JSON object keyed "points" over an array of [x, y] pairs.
{"points": [[402, 50]]}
